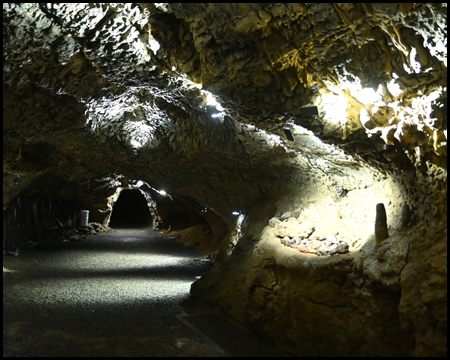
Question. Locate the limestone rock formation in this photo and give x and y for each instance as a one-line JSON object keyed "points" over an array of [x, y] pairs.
{"points": [[187, 103]]}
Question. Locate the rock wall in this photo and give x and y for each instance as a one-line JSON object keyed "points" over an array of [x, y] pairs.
{"points": [[191, 99], [387, 300], [279, 57]]}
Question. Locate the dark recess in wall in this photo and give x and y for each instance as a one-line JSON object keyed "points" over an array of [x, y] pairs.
{"points": [[33, 218], [130, 210]]}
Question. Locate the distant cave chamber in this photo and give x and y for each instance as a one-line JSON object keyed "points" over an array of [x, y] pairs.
{"points": [[130, 210]]}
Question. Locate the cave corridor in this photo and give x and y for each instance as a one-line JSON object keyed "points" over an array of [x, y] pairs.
{"points": [[130, 210], [282, 166]]}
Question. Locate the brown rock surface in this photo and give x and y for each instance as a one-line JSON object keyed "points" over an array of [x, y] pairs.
{"points": [[186, 102]]}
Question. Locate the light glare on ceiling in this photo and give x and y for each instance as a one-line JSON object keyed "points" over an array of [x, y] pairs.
{"points": [[415, 65], [136, 144], [394, 88], [407, 69], [366, 95], [211, 100], [335, 107], [154, 45]]}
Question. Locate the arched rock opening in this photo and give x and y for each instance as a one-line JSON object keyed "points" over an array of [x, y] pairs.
{"points": [[130, 210]]}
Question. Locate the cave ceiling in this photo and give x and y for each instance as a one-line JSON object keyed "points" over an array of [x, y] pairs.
{"points": [[192, 98]]}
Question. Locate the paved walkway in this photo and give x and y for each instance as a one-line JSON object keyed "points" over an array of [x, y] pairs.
{"points": [[115, 294]]}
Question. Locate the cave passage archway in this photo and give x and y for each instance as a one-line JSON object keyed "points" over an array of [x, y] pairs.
{"points": [[130, 211]]}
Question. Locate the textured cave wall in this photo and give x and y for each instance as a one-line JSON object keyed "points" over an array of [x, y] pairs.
{"points": [[99, 96], [279, 57], [374, 301]]}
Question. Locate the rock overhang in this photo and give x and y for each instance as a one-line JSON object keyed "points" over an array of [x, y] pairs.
{"points": [[124, 83]]}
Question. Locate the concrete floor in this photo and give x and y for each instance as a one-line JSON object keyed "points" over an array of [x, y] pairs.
{"points": [[115, 294]]}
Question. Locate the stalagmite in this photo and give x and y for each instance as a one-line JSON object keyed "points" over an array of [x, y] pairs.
{"points": [[381, 228]]}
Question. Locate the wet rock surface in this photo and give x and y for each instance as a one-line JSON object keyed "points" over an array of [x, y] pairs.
{"points": [[115, 294]]}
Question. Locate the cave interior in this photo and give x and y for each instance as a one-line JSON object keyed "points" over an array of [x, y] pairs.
{"points": [[301, 147], [130, 210]]}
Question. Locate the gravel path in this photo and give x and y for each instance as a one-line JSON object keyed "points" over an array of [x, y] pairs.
{"points": [[115, 294]]}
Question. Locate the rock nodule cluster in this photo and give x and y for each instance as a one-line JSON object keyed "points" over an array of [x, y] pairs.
{"points": [[301, 236]]}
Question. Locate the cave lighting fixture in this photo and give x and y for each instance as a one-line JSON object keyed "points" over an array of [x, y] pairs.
{"points": [[235, 212], [163, 193], [139, 183], [288, 133], [309, 111]]}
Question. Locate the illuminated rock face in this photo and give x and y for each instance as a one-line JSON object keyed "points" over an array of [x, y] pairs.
{"points": [[191, 99]]}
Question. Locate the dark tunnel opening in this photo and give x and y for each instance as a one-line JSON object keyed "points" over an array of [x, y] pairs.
{"points": [[130, 211]]}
